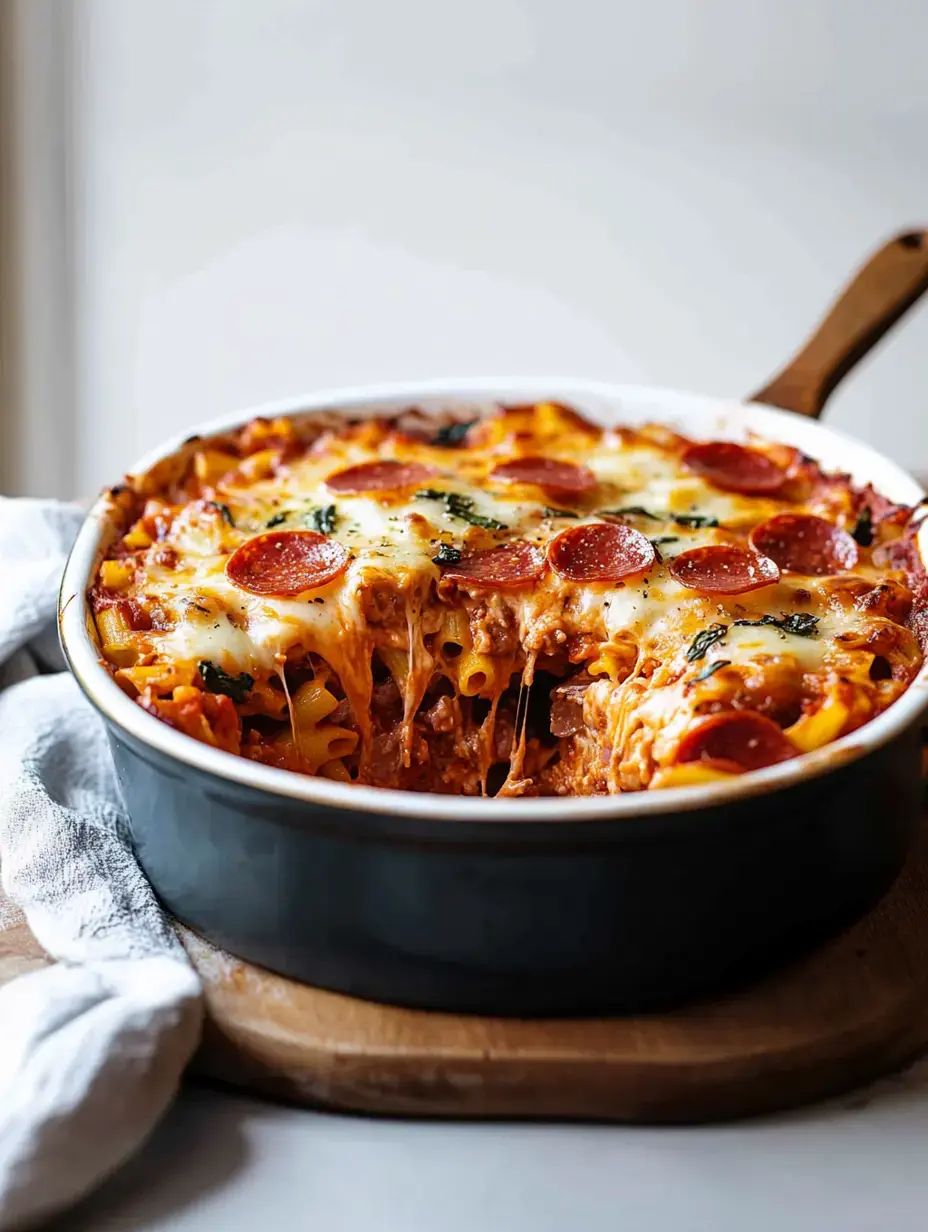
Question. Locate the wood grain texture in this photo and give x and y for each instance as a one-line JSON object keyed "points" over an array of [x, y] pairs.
{"points": [[851, 1012], [881, 291], [855, 1010], [19, 950]]}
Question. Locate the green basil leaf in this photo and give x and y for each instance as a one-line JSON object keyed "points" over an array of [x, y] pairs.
{"points": [[802, 624], [711, 668], [446, 555], [460, 506], [215, 680], [694, 520], [323, 519], [702, 641], [627, 511], [863, 531], [453, 433], [463, 507], [224, 510]]}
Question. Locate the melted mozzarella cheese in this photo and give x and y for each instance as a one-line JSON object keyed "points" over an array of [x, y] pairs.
{"points": [[396, 540], [393, 538], [745, 645], [653, 479]]}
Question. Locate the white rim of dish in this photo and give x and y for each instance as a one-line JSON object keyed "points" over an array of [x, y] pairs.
{"points": [[728, 417]]}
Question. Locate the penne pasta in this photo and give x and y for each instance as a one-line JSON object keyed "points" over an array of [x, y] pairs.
{"points": [[396, 663], [478, 674], [117, 574], [117, 639], [515, 596]]}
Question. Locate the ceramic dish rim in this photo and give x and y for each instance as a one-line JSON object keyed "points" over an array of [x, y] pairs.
{"points": [[733, 418]]}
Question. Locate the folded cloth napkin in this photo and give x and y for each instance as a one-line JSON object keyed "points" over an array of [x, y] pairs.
{"points": [[91, 1048]]}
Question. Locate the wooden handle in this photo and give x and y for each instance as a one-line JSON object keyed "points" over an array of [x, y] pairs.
{"points": [[894, 278]]}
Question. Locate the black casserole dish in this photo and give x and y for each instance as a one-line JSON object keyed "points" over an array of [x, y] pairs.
{"points": [[516, 906]]}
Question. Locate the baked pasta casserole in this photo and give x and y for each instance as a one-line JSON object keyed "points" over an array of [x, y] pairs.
{"points": [[511, 602]]}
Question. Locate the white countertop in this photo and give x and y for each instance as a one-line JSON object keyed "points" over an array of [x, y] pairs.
{"points": [[229, 1164]]}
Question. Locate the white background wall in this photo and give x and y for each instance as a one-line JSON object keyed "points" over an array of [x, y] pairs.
{"points": [[274, 195]]}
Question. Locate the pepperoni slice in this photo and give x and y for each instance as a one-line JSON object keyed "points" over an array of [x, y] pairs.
{"points": [[546, 473], [734, 468], [510, 565], [600, 552], [286, 562], [803, 543], [386, 475], [721, 569], [750, 740]]}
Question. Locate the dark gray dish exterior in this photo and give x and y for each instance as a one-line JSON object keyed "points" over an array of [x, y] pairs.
{"points": [[520, 918]]}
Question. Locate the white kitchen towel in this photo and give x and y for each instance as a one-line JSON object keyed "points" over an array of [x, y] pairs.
{"points": [[92, 1048]]}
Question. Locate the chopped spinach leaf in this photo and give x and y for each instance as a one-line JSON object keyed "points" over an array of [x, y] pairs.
{"points": [[550, 512], [656, 545], [711, 668], [453, 433], [863, 531], [802, 624], [223, 510], [463, 507], [702, 641], [446, 555], [323, 519], [460, 506], [693, 520], [215, 680], [636, 511]]}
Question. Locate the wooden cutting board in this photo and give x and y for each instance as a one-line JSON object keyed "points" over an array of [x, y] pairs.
{"points": [[853, 1011]]}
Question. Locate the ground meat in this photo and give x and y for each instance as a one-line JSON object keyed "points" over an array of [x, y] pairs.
{"points": [[566, 714], [443, 716], [567, 706], [581, 647], [493, 628], [385, 756], [554, 644], [382, 605], [503, 734], [504, 731], [385, 700]]}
